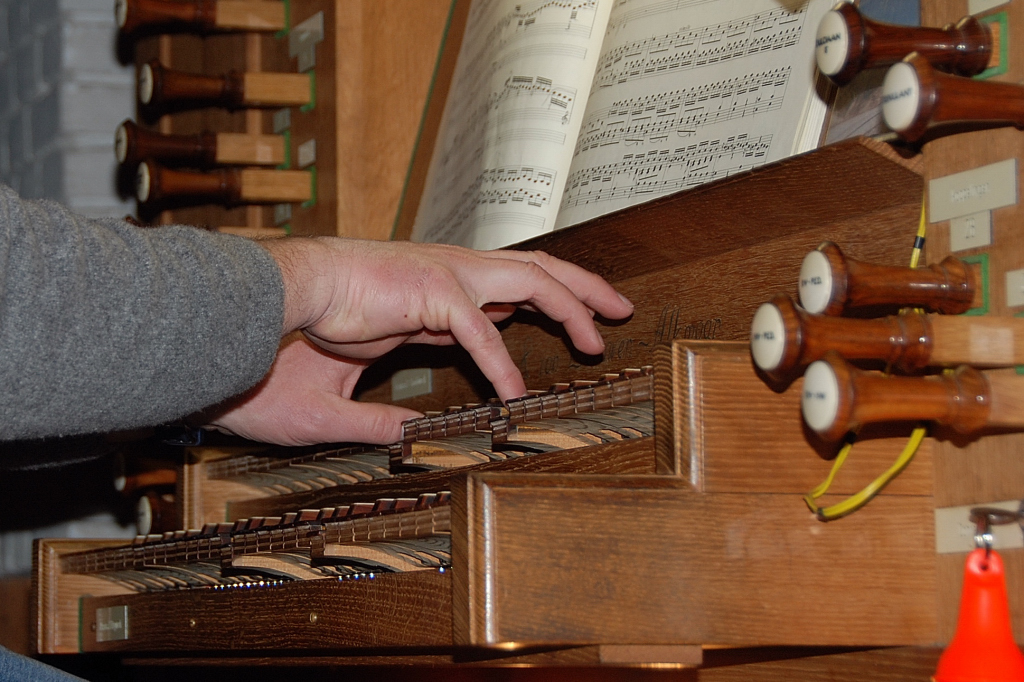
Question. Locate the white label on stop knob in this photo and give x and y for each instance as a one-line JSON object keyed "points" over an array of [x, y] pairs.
{"points": [[832, 44], [142, 183], [819, 400], [121, 143], [767, 337], [815, 282], [146, 84], [901, 94], [121, 12]]}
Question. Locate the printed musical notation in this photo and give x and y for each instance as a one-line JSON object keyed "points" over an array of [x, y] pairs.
{"points": [[703, 46], [659, 171], [653, 119], [627, 11], [498, 194]]}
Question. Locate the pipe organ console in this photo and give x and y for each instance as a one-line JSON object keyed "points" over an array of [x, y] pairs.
{"points": [[645, 516]]}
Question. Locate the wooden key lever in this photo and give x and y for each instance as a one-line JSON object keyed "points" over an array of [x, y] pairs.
{"points": [[784, 338], [916, 97], [847, 42], [831, 283], [838, 398], [161, 88], [133, 144], [203, 16], [227, 186]]}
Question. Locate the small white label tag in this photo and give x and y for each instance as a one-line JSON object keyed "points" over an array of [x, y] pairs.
{"points": [[306, 153], [980, 189], [970, 231], [112, 623], [979, 6], [1015, 288]]}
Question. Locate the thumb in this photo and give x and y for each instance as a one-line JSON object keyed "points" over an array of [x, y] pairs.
{"points": [[363, 422]]}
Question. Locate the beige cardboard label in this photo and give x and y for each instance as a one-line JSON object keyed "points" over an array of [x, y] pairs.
{"points": [[980, 189]]}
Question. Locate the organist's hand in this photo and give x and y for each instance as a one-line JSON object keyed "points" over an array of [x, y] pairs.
{"points": [[304, 400], [361, 299]]}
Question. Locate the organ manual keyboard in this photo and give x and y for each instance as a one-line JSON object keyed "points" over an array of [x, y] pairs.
{"points": [[556, 530]]}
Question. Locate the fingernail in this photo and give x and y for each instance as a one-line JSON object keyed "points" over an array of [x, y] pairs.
{"points": [[626, 300]]}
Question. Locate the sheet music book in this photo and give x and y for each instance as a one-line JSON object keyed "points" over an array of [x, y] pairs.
{"points": [[559, 111]]}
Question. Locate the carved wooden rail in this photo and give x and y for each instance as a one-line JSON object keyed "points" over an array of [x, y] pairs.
{"points": [[848, 42], [831, 283], [916, 97]]}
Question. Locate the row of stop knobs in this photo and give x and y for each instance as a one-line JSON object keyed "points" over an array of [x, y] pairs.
{"points": [[787, 340], [928, 90], [218, 168]]}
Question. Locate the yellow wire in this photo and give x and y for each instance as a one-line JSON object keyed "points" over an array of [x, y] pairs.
{"points": [[858, 500]]}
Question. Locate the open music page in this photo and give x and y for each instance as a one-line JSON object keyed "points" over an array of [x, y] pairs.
{"points": [[688, 91], [511, 121], [563, 110]]}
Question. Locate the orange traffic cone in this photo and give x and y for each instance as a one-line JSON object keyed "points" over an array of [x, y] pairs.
{"points": [[983, 649]]}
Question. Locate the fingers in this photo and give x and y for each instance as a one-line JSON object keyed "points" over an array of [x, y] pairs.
{"points": [[591, 289], [472, 328]]}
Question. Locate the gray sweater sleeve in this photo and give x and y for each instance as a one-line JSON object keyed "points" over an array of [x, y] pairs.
{"points": [[105, 326]]}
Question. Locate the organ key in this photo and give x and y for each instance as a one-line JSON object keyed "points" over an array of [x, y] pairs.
{"points": [[848, 42], [830, 283], [916, 97], [162, 88], [200, 15], [228, 186], [133, 144]]}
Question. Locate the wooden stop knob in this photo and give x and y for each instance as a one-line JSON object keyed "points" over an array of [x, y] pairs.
{"points": [[847, 42]]}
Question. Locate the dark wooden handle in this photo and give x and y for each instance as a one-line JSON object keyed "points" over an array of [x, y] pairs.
{"points": [[160, 87], [838, 398], [156, 183], [848, 42], [831, 283], [916, 97], [132, 144], [785, 338], [132, 15]]}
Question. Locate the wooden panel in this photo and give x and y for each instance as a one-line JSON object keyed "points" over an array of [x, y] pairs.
{"points": [[410, 609], [555, 559], [15, 595], [732, 433]]}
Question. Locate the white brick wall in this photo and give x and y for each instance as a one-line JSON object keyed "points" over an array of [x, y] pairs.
{"points": [[62, 94]]}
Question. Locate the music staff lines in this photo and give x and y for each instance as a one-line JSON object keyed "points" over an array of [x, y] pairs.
{"points": [[572, 20], [660, 171], [695, 48], [622, 19], [653, 119], [522, 99], [497, 187]]}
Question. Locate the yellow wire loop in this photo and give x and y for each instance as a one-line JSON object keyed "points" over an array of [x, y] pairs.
{"points": [[858, 500]]}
